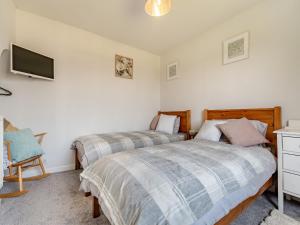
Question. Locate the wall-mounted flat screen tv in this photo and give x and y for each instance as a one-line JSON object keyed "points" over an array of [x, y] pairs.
{"points": [[32, 64]]}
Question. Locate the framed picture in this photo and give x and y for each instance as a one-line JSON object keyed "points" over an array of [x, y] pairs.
{"points": [[172, 71], [236, 48], [123, 67]]}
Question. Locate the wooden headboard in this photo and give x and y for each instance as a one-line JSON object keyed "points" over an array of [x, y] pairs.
{"points": [[185, 119], [271, 116]]}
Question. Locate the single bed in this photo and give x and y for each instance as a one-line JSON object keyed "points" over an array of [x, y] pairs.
{"points": [[90, 148], [184, 183]]}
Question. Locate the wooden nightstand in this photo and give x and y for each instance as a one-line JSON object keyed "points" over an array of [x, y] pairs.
{"points": [[288, 141]]}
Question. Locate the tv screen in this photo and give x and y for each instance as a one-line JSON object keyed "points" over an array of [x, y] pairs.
{"points": [[28, 63]]}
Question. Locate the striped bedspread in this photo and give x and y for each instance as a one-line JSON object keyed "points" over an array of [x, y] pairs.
{"points": [[93, 147], [173, 184]]}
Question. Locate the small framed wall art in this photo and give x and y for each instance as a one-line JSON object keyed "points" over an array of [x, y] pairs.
{"points": [[123, 67], [236, 48], [172, 71]]}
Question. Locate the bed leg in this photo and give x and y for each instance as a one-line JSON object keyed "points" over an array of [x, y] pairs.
{"points": [[77, 163], [96, 207], [87, 194]]}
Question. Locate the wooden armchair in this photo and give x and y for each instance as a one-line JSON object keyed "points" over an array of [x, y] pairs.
{"points": [[16, 176]]}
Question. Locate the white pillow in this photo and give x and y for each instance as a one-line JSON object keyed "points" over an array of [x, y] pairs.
{"points": [[166, 123], [210, 131]]}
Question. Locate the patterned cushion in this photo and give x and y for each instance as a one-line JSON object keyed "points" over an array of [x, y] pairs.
{"points": [[23, 145], [260, 126]]}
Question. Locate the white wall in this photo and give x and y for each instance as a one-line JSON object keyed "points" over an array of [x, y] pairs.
{"points": [[7, 24], [85, 97], [7, 29], [271, 76]]}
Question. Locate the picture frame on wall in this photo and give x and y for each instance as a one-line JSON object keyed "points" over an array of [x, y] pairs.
{"points": [[236, 48], [172, 71], [123, 67]]}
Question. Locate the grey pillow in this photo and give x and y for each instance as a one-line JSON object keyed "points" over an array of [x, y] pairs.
{"points": [[260, 126], [176, 125], [242, 132]]}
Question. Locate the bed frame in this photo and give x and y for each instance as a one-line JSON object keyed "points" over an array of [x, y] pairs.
{"points": [[185, 126], [271, 116]]}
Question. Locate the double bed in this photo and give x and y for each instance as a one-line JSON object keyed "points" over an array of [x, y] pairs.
{"points": [[90, 148], [184, 183]]}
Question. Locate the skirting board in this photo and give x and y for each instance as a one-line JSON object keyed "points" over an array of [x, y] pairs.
{"points": [[59, 169]]}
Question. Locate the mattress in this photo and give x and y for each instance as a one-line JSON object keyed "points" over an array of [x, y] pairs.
{"points": [[93, 147], [183, 183]]}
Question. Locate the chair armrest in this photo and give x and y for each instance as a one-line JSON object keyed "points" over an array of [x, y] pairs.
{"points": [[41, 134], [40, 137], [7, 143]]}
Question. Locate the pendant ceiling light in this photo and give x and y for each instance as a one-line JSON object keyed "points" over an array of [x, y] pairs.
{"points": [[157, 7]]}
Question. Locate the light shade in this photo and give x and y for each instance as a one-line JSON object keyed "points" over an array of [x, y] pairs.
{"points": [[157, 7]]}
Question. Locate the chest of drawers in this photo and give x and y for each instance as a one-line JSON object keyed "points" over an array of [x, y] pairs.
{"points": [[288, 141]]}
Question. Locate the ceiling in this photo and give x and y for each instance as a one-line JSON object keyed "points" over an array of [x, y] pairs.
{"points": [[125, 20]]}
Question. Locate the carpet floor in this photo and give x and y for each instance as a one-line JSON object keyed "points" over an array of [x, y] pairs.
{"points": [[57, 201]]}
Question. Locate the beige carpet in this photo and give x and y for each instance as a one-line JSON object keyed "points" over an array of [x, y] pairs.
{"points": [[277, 218], [57, 201]]}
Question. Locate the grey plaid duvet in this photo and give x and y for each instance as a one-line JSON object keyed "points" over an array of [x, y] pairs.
{"points": [[173, 184], [93, 147]]}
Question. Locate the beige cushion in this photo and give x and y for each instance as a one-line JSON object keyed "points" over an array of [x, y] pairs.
{"points": [[242, 132], [154, 122], [8, 127]]}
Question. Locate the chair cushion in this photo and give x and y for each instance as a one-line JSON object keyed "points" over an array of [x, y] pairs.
{"points": [[23, 145]]}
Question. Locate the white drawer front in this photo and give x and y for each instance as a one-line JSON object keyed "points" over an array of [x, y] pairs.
{"points": [[291, 144], [291, 162], [291, 183]]}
